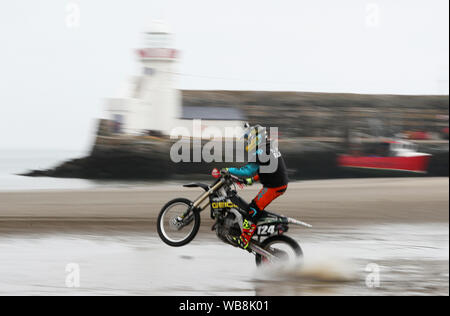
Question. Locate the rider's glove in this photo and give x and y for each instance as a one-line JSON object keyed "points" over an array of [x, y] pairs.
{"points": [[248, 181], [224, 171]]}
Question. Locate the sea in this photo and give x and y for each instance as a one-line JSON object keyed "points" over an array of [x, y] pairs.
{"points": [[17, 161]]}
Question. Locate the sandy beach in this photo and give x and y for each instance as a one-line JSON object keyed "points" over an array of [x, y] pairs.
{"points": [[322, 202]]}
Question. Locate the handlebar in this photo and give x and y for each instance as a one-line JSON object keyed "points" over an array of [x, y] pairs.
{"points": [[235, 179], [227, 176]]}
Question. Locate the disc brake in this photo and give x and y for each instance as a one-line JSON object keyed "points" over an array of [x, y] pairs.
{"points": [[177, 222]]}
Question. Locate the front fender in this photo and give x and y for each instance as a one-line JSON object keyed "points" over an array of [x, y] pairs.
{"points": [[197, 185]]}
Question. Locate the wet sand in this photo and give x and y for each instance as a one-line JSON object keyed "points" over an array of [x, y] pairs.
{"points": [[399, 226]]}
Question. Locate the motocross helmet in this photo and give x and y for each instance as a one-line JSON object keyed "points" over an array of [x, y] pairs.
{"points": [[254, 136]]}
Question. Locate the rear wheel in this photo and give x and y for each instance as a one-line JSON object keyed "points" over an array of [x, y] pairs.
{"points": [[178, 223], [283, 247]]}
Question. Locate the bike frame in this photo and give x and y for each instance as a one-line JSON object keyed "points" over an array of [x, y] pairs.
{"points": [[207, 194]]}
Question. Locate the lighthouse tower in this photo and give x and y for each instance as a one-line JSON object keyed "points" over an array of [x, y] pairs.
{"points": [[152, 103], [161, 101]]}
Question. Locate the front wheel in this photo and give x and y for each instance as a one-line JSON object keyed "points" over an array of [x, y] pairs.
{"points": [[283, 247], [178, 223]]}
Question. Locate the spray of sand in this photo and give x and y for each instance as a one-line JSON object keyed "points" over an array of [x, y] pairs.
{"points": [[311, 269]]}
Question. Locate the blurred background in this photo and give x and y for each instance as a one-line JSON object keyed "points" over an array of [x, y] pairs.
{"points": [[92, 90], [63, 58]]}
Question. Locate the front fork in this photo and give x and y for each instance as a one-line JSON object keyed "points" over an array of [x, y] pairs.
{"points": [[186, 217]]}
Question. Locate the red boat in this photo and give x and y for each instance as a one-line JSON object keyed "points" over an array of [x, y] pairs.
{"points": [[399, 156]]}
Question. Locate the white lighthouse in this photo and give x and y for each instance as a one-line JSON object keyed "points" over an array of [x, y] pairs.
{"points": [[151, 102]]}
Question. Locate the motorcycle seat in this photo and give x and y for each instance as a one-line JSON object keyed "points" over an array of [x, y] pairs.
{"points": [[266, 214]]}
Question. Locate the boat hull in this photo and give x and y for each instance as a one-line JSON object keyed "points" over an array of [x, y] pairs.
{"points": [[412, 164]]}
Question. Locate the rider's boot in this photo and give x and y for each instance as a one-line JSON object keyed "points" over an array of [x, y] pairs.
{"points": [[248, 226], [248, 229]]}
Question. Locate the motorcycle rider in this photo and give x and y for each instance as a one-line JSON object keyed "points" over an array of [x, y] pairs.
{"points": [[273, 178]]}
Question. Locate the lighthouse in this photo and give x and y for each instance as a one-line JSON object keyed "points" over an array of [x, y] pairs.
{"points": [[150, 103]]}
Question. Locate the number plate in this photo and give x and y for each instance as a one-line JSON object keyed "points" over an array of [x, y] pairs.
{"points": [[265, 230]]}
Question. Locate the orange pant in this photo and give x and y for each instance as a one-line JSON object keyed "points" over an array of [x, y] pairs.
{"points": [[267, 195]]}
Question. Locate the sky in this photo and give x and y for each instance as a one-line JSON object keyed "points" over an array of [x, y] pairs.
{"points": [[60, 59]]}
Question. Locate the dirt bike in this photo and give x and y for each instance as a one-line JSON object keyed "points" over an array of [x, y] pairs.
{"points": [[179, 221]]}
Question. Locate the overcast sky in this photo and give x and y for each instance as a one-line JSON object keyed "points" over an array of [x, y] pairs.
{"points": [[55, 71]]}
